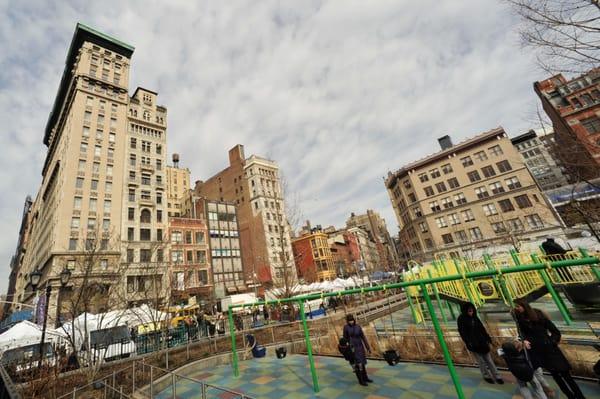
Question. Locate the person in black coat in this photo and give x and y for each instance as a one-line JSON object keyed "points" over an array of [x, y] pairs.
{"points": [[520, 366], [478, 341], [551, 247], [541, 337], [355, 336]]}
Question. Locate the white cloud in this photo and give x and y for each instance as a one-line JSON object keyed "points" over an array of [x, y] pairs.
{"points": [[338, 92]]}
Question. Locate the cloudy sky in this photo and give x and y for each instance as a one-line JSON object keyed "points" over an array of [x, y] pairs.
{"points": [[338, 92]]}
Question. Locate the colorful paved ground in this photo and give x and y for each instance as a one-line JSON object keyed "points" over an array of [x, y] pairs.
{"points": [[273, 378]]}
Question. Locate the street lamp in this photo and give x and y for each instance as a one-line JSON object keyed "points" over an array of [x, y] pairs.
{"points": [[34, 279]]}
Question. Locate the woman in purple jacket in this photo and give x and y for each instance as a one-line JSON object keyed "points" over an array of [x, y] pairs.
{"points": [[355, 336]]}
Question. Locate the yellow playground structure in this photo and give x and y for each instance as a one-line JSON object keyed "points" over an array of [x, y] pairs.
{"points": [[580, 284]]}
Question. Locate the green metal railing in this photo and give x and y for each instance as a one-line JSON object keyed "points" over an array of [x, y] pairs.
{"points": [[421, 284]]}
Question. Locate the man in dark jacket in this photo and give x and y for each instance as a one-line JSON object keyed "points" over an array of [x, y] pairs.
{"points": [[551, 247], [478, 341]]}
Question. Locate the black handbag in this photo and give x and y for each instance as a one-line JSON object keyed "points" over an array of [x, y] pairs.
{"points": [[391, 357]]}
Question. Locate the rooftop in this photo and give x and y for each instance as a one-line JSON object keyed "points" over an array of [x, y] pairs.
{"points": [[83, 33]]}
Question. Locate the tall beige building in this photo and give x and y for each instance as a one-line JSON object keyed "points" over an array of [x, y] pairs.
{"points": [[102, 181], [469, 198], [253, 184], [178, 187]]}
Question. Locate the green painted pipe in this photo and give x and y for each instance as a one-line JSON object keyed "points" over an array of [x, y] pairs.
{"points": [[557, 299], [499, 280], [449, 305], [236, 370], [311, 360], [437, 299], [440, 336], [412, 308], [466, 287], [453, 277], [594, 268]]}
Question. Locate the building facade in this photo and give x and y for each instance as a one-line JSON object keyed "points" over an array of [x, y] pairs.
{"points": [[369, 261], [178, 187], [101, 177], [539, 160], [313, 257], [344, 251], [189, 259], [375, 225], [573, 106], [253, 185], [469, 197]]}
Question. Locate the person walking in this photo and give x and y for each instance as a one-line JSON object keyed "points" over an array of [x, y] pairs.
{"points": [[518, 363], [353, 333], [478, 341], [541, 337]]}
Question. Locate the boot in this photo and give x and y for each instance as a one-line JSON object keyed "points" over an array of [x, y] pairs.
{"points": [[359, 375], [365, 376]]}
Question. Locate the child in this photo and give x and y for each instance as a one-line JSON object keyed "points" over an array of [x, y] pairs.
{"points": [[519, 365]]}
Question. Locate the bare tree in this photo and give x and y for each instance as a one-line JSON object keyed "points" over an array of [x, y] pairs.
{"points": [[564, 33]]}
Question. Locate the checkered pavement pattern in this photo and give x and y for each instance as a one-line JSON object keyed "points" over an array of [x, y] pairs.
{"points": [[290, 378]]}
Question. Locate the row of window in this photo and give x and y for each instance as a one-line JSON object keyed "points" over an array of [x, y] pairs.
{"points": [[145, 234], [434, 173], [79, 184], [145, 215], [225, 253], [145, 195], [88, 244], [91, 223], [146, 178], [146, 146], [191, 237], [144, 161], [191, 257], [135, 128], [215, 233], [145, 255]]}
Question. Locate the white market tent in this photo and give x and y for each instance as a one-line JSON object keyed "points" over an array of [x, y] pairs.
{"points": [[25, 333]]}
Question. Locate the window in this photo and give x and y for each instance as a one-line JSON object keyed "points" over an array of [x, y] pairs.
{"points": [[159, 235], [93, 204], [481, 192], [503, 166], [496, 188], [158, 197], [199, 237], [203, 276], [146, 146], [480, 156], [512, 183], [441, 187], [177, 256], [447, 203], [159, 216], [109, 170], [131, 196], [434, 173], [77, 203], [488, 171], [476, 233], [96, 167], [133, 143], [447, 238], [422, 178], [87, 116], [130, 234], [441, 222], [94, 185], [159, 149], [447, 168], [79, 182], [99, 134], [75, 223], [188, 237], [460, 199], [86, 131], [91, 224], [453, 183], [592, 125], [466, 161], [83, 147], [461, 236], [145, 216], [417, 212], [110, 153], [474, 176], [498, 227], [496, 150], [428, 243], [515, 224], [146, 179], [72, 244], [176, 236], [523, 201], [108, 187], [467, 215], [435, 207], [100, 119], [158, 164], [145, 255], [506, 205], [111, 137], [97, 151], [489, 209], [406, 184], [423, 227], [144, 234], [411, 197], [429, 191], [454, 219], [131, 214], [534, 221], [130, 255]]}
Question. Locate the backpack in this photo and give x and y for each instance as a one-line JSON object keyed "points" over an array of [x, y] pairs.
{"points": [[518, 363], [346, 350]]}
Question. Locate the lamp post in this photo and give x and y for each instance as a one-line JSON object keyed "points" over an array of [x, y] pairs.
{"points": [[34, 279]]}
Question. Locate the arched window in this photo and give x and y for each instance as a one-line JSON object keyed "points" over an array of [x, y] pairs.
{"points": [[145, 216]]}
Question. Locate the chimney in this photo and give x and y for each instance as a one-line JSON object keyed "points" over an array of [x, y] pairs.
{"points": [[236, 154], [445, 142], [176, 160]]}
